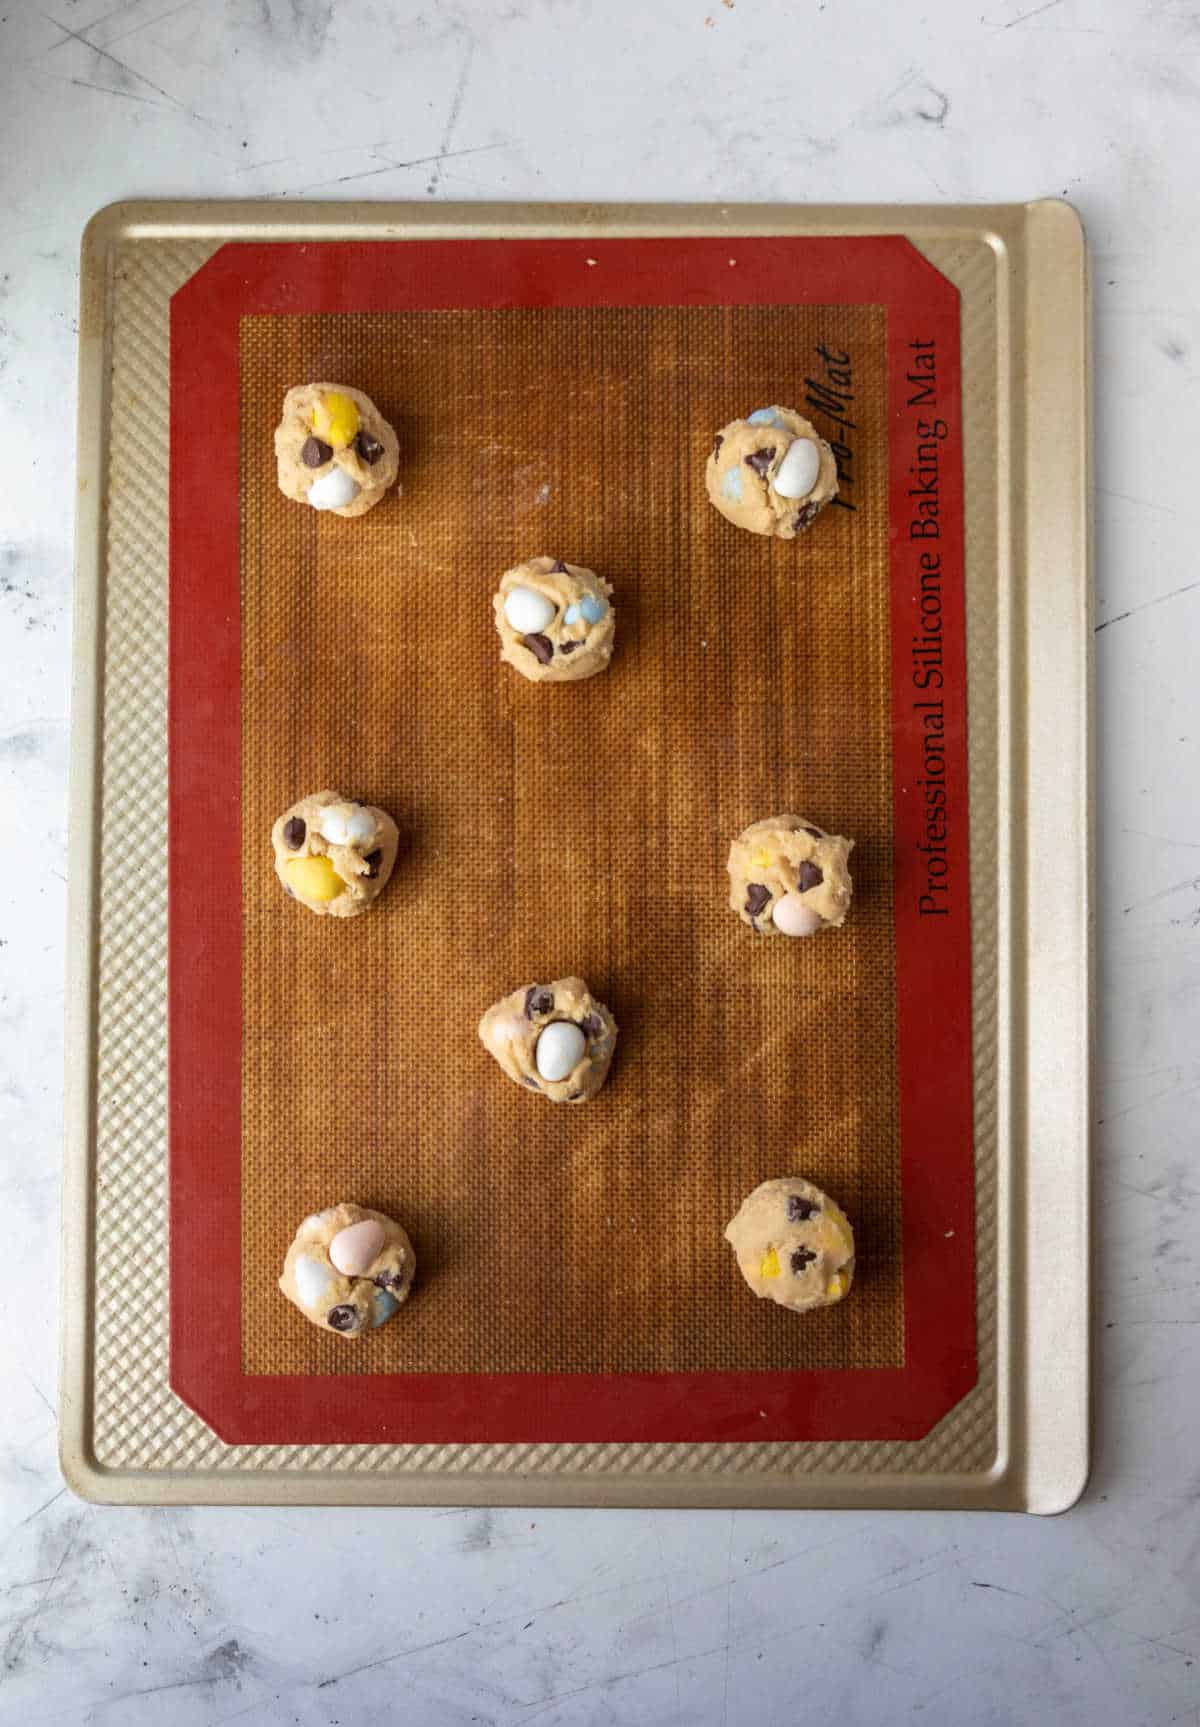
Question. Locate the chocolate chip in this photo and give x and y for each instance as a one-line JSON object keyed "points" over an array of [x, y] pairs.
{"points": [[800, 1210], [314, 453], [802, 1257], [540, 647], [813, 833], [568, 647], [294, 831], [809, 875], [717, 442], [287, 890], [757, 896], [592, 1025], [538, 1000], [532, 1082], [760, 461], [558, 568], [390, 1280], [344, 1318], [806, 515], [574, 1096], [373, 861], [369, 448]]}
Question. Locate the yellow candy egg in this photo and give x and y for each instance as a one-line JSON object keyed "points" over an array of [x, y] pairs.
{"points": [[769, 1267], [836, 1287], [315, 878], [762, 859], [335, 419]]}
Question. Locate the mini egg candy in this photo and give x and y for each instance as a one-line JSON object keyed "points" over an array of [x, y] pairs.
{"points": [[347, 825], [792, 916], [766, 417], [335, 419], [527, 611], [333, 490], [354, 1249], [560, 1049], [315, 877], [731, 485], [797, 473], [593, 607], [312, 1281]]}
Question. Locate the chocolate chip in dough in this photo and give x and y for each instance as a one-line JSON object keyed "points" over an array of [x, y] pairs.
{"points": [[558, 568], [315, 454], [809, 875], [799, 1210], [540, 647], [538, 1001], [373, 861], [592, 1025], [806, 516], [294, 832], [393, 1280], [757, 897], [760, 461], [717, 442], [813, 833], [568, 647], [532, 1083], [802, 1258], [369, 449], [344, 1318]]}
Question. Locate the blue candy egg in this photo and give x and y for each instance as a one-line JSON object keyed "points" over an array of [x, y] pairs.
{"points": [[765, 417], [382, 1307], [593, 608], [731, 485], [572, 615]]}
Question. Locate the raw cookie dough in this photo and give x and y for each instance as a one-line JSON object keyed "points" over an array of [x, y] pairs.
{"points": [[556, 620], [771, 473], [787, 877], [348, 1269], [334, 855], [335, 449], [555, 1038], [793, 1244]]}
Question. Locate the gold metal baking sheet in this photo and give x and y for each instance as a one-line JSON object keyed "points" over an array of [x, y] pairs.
{"points": [[1019, 1439]]}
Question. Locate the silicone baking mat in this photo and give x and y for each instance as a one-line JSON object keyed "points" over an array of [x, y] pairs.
{"points": [[560, 396]]}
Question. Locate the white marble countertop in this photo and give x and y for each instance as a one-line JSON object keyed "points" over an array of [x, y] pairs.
{"points": [[200, 1617]]}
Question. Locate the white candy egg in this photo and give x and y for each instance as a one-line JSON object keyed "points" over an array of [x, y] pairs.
{"points": [[797, 473], [792, 915], [312, 1282], [559, 1050], [347, 825], [527, 611], [333, 491], [354, 1249]]}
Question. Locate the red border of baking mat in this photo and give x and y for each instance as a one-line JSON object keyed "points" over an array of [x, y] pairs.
{"points": [[933, 953]]}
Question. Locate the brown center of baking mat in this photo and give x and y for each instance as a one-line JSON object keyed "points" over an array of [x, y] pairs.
{"points": [[568, 829]]}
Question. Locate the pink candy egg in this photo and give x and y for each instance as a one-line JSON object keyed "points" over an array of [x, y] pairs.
{"points": [[354, 1249]]}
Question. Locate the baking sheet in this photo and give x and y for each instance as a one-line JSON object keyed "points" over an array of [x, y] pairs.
{"points": [[127, 1436]]}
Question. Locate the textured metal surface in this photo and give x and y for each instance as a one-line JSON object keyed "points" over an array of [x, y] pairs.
{"points": [[125, 1435]]}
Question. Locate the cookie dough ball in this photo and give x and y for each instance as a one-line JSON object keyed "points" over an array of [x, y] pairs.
{"points": [[555, 1038], [335, 449], [772, 473], [787, 877], [348, 1269], [793, 1244], [556, 621], [334, 855]]}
